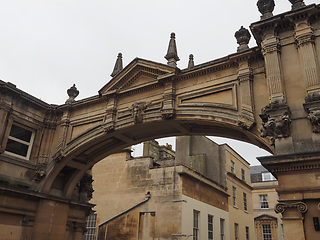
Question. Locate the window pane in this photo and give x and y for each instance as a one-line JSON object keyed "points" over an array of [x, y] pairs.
{"points": [[17, 148], [20, 133]]}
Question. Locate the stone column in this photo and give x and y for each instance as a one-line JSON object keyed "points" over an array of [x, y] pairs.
{"points": [[51, 220], [304, 37], [292, 217], [270, 49], [245, 81]]}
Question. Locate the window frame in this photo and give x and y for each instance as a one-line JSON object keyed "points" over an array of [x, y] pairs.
{"points": [[222, 226], [236, 231], [232, 168], [210, 231], [196, 227], [243, 174], [267, 176], [266, 235], [264, 204], [234, 196], [29, 144], [247, 233], [90, 227], [245, 204]]}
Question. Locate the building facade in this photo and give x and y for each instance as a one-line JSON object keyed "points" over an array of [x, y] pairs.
{"points": [[189, 196], [268, 224]]}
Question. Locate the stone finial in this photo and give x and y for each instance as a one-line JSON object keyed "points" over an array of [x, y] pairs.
{"points": [[118, 66], [172, 54], [243, 37], [296, 4], [191, 61], [266, 8], [72, 93]]}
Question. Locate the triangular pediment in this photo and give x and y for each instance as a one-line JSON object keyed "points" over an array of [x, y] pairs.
{"points": [[137, 74]]}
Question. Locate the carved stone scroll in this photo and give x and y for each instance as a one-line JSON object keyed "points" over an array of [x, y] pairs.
{"points": [[300, 206], [111, 113]]}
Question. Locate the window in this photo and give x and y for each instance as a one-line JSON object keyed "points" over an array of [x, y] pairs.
{"points": [[19, 142], [210, 227], [243, 174], [245, 207], [266, 232], [232, 166], [264, 201], [268, 177], [196, 225], [91, 226], [221, 229], [247, 233], [236, 231], [234, 196]]}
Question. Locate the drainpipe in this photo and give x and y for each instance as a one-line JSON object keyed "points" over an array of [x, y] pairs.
{"points": [[148, 196]]}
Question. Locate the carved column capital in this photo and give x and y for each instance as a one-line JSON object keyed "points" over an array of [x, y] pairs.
{"points": [[304, 36], [270, 44], [283, 206]]}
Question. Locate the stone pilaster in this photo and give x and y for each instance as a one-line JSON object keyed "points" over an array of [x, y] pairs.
{"points": [[271, 52], [245, 83], [304, 37], [292, 218], [111, 112], [168, 109]]}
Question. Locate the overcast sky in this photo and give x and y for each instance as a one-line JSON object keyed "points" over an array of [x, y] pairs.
{"points": [[46, 46]]}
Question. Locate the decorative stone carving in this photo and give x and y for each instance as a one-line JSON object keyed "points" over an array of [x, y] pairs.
{"points": [[40, 172], [276, 121], [172, 53], [312, 107], [296, 4], [191, 61], [266, 7], [84, 187], [137, 111], [76, 227], [243, 37], [300, 206], [27, 220], [118, 65], [72, 93]]}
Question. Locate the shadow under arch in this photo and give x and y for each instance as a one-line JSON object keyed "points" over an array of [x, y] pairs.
{"points": [[96, 143]]}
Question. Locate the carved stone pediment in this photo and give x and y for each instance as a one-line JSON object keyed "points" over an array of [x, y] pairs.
{"points": [[136, 75]]}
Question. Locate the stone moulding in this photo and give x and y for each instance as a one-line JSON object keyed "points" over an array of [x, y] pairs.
{"points": [[283, 206]]}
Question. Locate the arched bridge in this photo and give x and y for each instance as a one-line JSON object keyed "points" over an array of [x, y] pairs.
{"points": [[268, 95]]}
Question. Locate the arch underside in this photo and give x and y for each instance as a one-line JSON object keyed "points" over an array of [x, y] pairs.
{"points": [[96, 143]]}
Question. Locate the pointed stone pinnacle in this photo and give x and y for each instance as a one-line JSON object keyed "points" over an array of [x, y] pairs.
{"points": [[191, 62], [118, 66], [172, 54]]}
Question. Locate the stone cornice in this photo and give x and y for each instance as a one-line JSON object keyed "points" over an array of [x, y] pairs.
{"points": [[282, 21], [291, 162], [10, 88]]}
